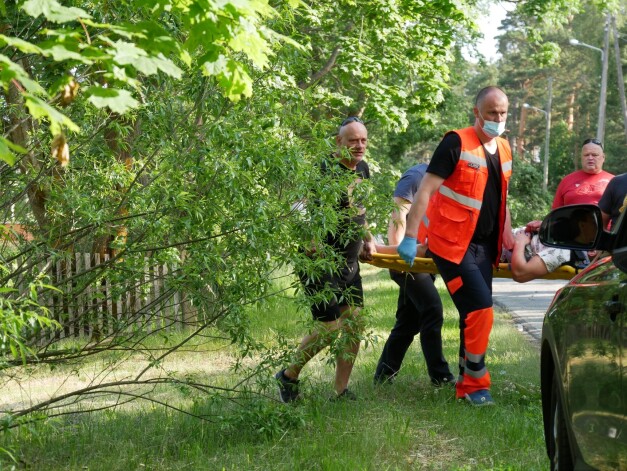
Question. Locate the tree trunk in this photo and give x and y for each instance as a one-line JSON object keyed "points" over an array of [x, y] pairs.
{"points": [[572, 96], [22, 126], [520, 143], [120, 146]]}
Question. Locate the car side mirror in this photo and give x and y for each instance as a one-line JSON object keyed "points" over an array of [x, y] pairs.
{"points": [[575, 227]]}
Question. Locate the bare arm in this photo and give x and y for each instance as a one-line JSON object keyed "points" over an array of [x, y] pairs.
{"points": [[396, 229], [523, 270], [429, 185], [606, 219], [396, 226], [508, 237]]}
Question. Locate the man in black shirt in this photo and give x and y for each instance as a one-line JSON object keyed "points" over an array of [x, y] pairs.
{"points": [[460, 209], [341, 313], [613, 199]]}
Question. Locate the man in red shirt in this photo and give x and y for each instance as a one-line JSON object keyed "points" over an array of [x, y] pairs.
{"points": [[588, 184]]}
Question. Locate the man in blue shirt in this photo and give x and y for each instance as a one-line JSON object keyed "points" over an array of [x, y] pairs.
{"points": [[419, 309]]}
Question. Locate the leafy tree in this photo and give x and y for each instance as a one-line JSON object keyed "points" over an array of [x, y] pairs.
{"points": [[524, 205], [163, 154], [536, 47], [167, 169]]}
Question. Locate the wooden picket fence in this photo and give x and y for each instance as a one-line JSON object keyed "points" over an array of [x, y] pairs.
{"points": [[90, 304]]}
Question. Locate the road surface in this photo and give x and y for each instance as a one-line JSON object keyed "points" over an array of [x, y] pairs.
{"points": [[526, 302]]}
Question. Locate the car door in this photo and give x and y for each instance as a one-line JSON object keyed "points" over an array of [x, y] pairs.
{"points": [[595, 363]]}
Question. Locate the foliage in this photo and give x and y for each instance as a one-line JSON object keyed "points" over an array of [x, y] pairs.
{"points": [[163, 155], [382, 59], [423, 133], [21, 318], [260, 419], [565, 153], [524, 205], [103, 57], [536, 47]]}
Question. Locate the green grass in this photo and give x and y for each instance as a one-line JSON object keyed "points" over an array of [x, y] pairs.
{"points": [[406, 425]]}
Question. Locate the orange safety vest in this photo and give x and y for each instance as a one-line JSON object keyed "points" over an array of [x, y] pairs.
{"points": [[451, 217]]}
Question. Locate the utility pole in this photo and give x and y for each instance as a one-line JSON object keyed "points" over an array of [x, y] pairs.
{"points": [[606, 46], [545, 180], [619, 72], [547, 115]]}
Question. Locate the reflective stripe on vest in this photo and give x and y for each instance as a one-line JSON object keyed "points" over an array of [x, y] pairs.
{"points": [[425, 220], [461, 199], [506, 167], [472, 158], [453, 211]]}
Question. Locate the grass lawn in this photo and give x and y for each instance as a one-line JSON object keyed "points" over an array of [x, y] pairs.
{"points": [[405, 425]]}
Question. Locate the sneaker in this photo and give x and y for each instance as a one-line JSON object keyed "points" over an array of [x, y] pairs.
{"points": [[346, 395], [288, 388], [480, 398]]}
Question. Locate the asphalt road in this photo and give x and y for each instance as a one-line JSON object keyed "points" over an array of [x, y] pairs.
{"points": [[526, 302]]}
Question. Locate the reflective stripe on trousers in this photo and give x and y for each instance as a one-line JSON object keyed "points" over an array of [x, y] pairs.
{"points": [[470, 287], [473, 373]]}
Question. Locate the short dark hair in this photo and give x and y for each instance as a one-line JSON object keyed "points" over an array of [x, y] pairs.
{"points": [[593, 140]]}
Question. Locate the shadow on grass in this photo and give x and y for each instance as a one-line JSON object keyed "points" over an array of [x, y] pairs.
{"points": [[405, 425]]}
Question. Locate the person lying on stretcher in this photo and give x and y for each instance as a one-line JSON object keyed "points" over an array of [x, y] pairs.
{"points": [[527, 256], [530, 259]]}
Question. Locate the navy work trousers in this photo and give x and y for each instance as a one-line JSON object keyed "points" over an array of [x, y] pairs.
{"points": [[419, 311], [470, 286]]}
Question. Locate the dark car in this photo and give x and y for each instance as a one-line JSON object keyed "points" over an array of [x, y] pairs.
{"points": [[583, 354]]}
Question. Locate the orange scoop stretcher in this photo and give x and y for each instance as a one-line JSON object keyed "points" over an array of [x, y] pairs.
{"points": [[426, 265]]}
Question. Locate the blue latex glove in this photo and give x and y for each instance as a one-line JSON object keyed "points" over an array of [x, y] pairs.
{"points": [[407, 249]]}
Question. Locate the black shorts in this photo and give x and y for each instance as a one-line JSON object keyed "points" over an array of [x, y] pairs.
{"points": [[346, 289]]}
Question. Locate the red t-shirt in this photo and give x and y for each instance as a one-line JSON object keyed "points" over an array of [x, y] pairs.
{"points": [[580, 188]]}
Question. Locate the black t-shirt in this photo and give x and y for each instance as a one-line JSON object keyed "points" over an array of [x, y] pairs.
{"points": [[443, 163], [614, 197], [347, 239]]}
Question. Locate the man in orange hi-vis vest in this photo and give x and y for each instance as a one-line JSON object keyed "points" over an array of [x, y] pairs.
{"points": [[459, 212]]}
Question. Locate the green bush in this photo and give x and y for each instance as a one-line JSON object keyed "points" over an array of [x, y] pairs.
{"points": [[526, 205]]}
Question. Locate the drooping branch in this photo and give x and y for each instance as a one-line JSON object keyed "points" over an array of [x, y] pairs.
{"points": [[317, 76], [105, 388]]}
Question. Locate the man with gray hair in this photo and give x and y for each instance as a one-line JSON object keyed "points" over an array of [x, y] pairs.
{"points": [[340, 313]]}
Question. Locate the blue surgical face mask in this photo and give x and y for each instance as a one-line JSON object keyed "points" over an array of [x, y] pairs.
{"points": [[492, 128]]}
